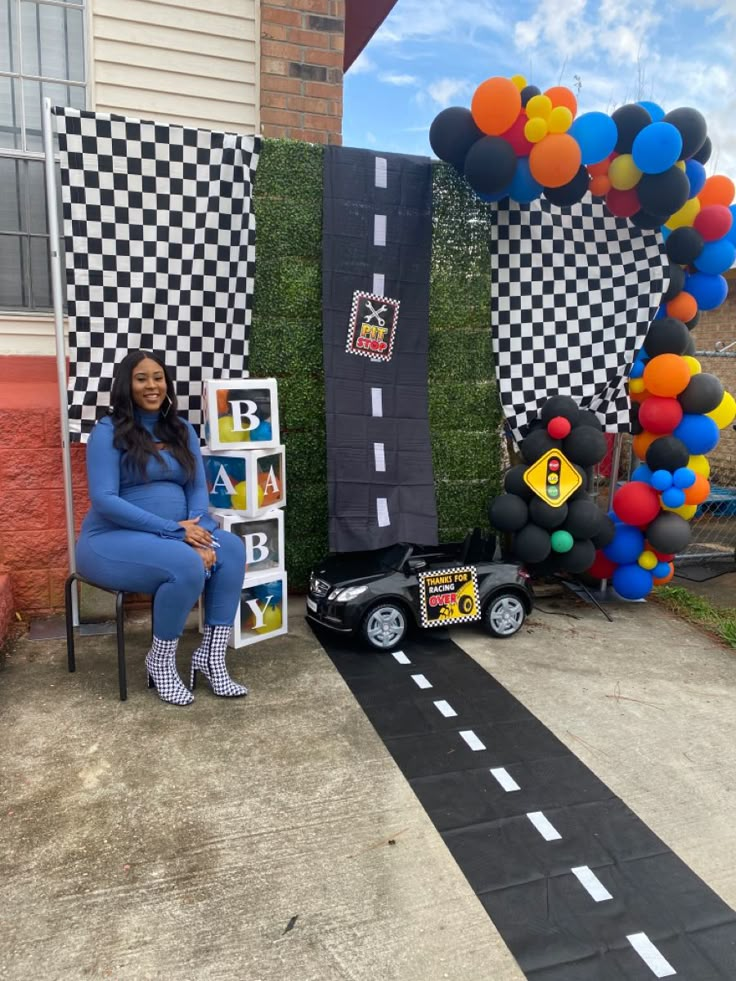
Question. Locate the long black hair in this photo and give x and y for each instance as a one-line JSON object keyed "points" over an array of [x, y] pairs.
{"points": [[131, 436]]}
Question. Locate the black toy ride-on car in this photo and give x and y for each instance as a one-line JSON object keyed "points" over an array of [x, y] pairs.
{"points": [[377, 596]]}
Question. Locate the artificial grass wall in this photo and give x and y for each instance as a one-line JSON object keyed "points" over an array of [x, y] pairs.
{"points": [[286, 343]]}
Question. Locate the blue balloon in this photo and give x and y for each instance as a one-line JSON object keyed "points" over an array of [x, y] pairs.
{"points": [[661, 570], [709, 291], [642, 474], [673, 497], [657, 147], [655, 111], [496, 196], [716, 257], [596, 135], [523, 188], [666, 232], [695, 173], [641, 356], [637, 369], [684, 478], [661, 480], [262, 432], [631, 582], [627, 545], [699, 433]]}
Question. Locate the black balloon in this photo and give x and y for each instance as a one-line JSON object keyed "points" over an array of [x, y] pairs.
{"points": [[663, 194], [560, 405], [692, 324], [667, 453], [692, 127], [508, 512], [528, 92], [513, 482], [536, 444], [579, 558], [666, 336], [703, 154], [588, 418], [642, 219], [677, 281], [585, 445], [571, 193], [548, 567], [452, 134], [531, 544], [690, 346], [669, 533], [584, 519], [703, 394], [635, 427], [490, 165], [684, 245], [630, 120], [607, 533], [544, 515]]}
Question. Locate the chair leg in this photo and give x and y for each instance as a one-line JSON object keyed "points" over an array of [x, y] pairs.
{"points": [[70, 659], [119, 614]]}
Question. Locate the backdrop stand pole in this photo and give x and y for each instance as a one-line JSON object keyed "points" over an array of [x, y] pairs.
{"points": [[56, 292]]}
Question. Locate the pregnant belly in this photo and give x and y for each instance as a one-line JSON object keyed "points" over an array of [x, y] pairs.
{"points": [[167, 500]]}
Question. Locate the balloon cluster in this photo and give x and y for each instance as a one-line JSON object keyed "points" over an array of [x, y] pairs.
{"points": [[647, 166], [563, 538]]}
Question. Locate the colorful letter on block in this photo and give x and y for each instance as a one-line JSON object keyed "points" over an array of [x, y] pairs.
{"points": [[262, 612], [240, 413], [249, 481], [263, 539]]}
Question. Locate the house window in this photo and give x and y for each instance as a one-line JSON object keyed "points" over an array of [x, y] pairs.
{"points": [[41, 56]]}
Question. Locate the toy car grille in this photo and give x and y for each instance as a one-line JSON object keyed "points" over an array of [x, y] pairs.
{"points": [[319, 587]]}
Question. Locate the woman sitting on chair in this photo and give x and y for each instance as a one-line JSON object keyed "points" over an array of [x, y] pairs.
{"points": [[148, 530]]}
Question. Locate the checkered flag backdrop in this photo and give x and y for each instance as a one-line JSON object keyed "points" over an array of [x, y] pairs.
{"points": [[574, 291], [160, 253]]}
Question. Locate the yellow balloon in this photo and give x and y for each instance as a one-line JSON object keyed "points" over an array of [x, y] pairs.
{"points": [[519, 81], [700, 464], [686, 511], [536, 130], [636, 386], [272, 620], [623, 173], [239, 499], [725, 413], [648, 560], [694, 366], [560, 120], [680, 164], [228, 434], [539, 106], [685, 216]]}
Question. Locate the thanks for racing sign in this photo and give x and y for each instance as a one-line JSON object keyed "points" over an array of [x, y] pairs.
{"points": [[449, 596]]}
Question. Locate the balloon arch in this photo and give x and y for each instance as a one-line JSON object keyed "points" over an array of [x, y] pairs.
{"points": [[648, 167]]}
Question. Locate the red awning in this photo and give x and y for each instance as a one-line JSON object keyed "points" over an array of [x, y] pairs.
{"points": [[362, 20]]}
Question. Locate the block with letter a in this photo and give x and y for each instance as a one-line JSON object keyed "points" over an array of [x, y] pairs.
{"points": [[249, 482]]}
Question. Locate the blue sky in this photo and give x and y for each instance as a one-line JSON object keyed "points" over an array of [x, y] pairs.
{"points": [[430, 54]]}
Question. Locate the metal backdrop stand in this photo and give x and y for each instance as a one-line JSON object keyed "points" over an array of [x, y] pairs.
{"points": [[53, 220]]}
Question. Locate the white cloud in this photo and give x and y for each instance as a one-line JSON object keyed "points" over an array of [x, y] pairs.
{"points": [[362, 65], [370, 138], [392, 78], [438, 19], [444, 90]]}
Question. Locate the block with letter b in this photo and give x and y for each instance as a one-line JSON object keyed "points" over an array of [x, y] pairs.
{"points": [[240, 413], [262, 612], [251, 482], [263, 539]]}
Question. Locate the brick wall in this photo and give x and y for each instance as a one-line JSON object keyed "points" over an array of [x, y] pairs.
{"points": [[302, 45], [720, 325]]}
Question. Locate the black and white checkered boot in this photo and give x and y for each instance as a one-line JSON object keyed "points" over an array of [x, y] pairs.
{"points": [[162, 673], [209, 658]]}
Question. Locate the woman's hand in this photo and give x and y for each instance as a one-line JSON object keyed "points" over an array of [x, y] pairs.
{"points": [[194, 535], [208, 555]]}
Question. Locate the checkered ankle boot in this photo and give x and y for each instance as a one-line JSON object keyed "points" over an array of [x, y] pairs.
{"points": [[209, 658], [162, 673]]}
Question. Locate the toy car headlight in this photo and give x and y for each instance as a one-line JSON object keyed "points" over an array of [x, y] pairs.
{"points": [[345, 595]]}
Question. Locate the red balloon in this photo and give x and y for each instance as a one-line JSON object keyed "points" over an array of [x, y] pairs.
{"points": [[515, 136], [713, 222], [602, 567], [660, 415], [559, 427], [623, 204], [636, 503], [662, 556]]}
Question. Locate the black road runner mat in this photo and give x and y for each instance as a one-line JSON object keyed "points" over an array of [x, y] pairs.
{"points": [[577, 885]]}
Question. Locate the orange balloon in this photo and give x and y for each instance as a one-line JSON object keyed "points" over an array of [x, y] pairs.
{"points": [[641, 443], [560, 95], [661, 581], [496, 105], [555, 160], [599, 185], [667, 375], [699, 491], [717, 190], [682, 307], [638, 396], [600, 168]]}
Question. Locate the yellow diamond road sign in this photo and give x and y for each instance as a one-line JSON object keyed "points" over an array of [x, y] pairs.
{"points": [[553, 478]]}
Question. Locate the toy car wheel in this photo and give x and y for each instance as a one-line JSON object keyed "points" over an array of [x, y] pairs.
{"points": [[384, 626], [504, 615]]}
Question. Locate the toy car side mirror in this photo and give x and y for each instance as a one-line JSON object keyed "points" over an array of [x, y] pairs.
{"points": [[415, 565]]}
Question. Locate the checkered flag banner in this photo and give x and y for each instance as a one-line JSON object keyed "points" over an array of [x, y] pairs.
{"points": [[574, 291], [160, 253]]}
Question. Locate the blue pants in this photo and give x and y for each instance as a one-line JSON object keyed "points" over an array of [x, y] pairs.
{"points": [[172, 571]]}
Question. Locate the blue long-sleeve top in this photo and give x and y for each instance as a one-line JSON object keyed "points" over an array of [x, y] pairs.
{"points": [[121, 498]]}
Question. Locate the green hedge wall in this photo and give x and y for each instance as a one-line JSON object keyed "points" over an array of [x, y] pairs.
{"points": [[286, 343]]}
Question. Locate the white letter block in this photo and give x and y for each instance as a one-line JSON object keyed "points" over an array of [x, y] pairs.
{"points": [[262, 612], [240, 413], [263, 539], [250, 482]]}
